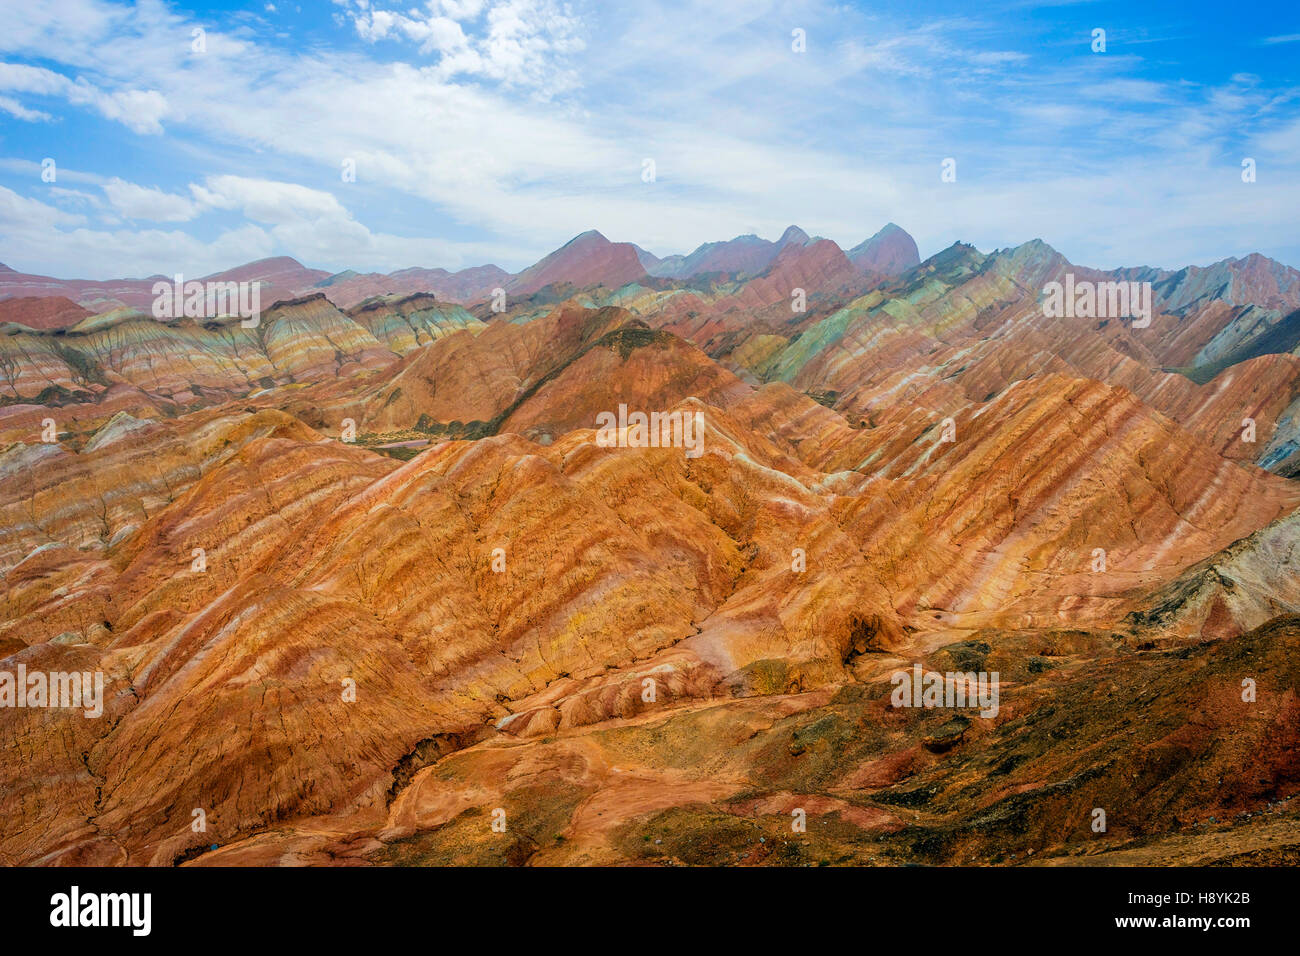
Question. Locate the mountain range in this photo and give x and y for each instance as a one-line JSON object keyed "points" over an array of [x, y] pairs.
{"points": [[366, 579], [587, 259]]}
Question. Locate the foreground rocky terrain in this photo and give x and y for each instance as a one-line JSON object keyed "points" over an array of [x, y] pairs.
{"points": [[368, 584]]}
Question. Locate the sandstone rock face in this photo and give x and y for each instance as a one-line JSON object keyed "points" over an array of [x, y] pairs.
{"points": [[585, 260], [309, 338], [42, 312], [819, 266], [356, 580], [406, 323], [187, 360]]}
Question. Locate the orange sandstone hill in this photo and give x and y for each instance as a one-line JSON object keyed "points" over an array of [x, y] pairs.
{"points": [[368, 577]]}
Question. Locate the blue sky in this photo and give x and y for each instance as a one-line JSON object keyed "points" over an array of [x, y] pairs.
{"points": [[494, 130]]}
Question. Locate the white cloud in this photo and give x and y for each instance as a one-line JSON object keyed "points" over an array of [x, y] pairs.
{"points": [[266, 201], [139, 110], [17, 212], [18, 111], [20, 78], [139, 202], [520, 43]]}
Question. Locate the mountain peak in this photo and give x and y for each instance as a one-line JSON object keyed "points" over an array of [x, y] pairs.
{"points": [[890, 251], [278, 261], [585, 260], [591, 236], [792, 234], [959, 257], [1034, 248], [285, 273]]}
